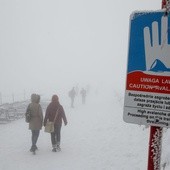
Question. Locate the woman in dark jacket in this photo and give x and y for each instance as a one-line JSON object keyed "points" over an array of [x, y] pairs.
{"points": [[36, 121], [51, 110]]}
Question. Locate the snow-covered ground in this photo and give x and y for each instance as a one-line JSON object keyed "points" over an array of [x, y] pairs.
{"points": [[96, 138]]}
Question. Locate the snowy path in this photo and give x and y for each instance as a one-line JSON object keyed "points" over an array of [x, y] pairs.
{"points": [[96, 138]]}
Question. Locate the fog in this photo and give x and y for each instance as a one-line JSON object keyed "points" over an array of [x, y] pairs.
{"points": [[50, 46]]}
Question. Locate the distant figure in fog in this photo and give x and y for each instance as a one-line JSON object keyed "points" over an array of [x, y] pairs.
{"points": [[72, 94], [55, 108], [83, 95], [77, 90], [36, 121], [87, 88]]}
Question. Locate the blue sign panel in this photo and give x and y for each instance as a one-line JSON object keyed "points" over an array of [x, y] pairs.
{"points": [[147, 99]]}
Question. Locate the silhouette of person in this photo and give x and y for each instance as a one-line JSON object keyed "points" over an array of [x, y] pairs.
{"points": [[72, 94], [83, 95], [53, 107], [77, 90], [36, 122]]}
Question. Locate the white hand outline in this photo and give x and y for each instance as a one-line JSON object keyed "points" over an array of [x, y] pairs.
{"points": [[157, 51]]}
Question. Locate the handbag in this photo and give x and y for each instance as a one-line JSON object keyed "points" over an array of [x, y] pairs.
{"points": [[28, 115], [49, 127]]}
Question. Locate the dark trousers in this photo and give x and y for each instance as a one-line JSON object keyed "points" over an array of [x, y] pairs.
{"points": [[35, 135], [55, 136]]}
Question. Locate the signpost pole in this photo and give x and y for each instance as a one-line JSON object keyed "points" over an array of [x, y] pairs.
{"points": [[146, 95], [155, 145], [163, 3], [155, 141]]}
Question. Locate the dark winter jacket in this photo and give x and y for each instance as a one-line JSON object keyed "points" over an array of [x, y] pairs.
{"points": [[51, 112], [36, 121], [72, 93]]}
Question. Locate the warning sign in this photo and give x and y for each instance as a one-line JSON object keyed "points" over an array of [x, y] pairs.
{"points": [[147, 95]]}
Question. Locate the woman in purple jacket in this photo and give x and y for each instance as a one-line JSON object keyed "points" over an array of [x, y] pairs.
{"points": [[50, 114]]}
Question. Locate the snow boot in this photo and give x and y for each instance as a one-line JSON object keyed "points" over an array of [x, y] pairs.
{"points": [[58, 146], [33, 149], [54, 148], [36, 148]]}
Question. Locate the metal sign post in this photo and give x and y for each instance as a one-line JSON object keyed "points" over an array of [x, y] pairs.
{"points": [[147, 95], [155, 141], [155, 146]]}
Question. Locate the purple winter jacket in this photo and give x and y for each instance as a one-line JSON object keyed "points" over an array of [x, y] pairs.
{"points": [[51, 112]]}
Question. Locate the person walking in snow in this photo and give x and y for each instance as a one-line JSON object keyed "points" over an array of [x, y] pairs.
{"points": [[36, 121], [50, 114], [77, 90], [72, 94], [83, 95]]}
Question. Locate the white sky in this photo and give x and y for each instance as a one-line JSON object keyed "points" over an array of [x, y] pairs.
{"points": [[50, 46]]}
